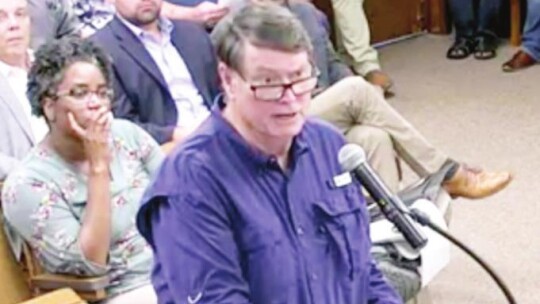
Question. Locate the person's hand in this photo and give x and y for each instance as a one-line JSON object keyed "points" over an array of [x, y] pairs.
{"points": [[210, 13], [95, 138]]}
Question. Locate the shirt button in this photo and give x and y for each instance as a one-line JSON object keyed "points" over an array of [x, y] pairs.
{"points": [[314, 277], [300, 231]]}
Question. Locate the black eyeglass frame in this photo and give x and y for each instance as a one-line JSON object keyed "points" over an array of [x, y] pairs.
{"points": [[284, 86], [109, 94]]}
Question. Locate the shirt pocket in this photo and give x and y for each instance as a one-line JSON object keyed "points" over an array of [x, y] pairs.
{"points": [[343, 223]]}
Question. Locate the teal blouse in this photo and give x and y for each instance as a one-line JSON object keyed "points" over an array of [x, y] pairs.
{"points": [[44, 202]]}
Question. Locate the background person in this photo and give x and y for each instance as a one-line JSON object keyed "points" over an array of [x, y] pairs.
{"points": [[52, 19], [529, 54], [74, 197], [354, 42], [474, 28], [20, 130], [165, 71]]}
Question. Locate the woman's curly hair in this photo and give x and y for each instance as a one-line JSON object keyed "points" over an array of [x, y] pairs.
{"points": [[51, 62]]}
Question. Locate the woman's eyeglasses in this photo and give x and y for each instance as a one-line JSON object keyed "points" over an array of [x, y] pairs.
{"points": [[85, 95]]}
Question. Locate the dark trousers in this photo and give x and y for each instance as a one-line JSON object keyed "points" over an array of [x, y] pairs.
{"points": [[531, 33], [471, 20]]}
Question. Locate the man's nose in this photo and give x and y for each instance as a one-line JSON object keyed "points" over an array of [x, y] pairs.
{"points": [[288, 96], [13, 22]]}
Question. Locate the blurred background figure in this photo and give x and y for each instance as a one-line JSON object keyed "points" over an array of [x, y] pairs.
{"points": [[93, 14], [165, 70], [475, 23], [529, 54], [19, 129], [52, 19], [353, 42]]}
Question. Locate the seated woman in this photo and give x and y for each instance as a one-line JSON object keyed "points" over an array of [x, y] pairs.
{"points": [[75, 196]]}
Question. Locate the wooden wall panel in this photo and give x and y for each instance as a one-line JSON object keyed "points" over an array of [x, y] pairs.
{"points": [[390, 19], [437, 20], [387, 18]]}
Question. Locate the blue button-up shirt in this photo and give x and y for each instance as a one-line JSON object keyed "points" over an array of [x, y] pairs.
{"points": [[229, 226]]}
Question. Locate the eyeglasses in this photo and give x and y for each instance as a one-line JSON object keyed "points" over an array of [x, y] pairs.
{"points": [[85, 95], [274, 92]]}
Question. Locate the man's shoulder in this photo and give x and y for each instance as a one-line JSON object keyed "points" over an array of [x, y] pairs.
{"points": [[303, 8], [187, 25], [104, 34], [199, 148], [189, 30], [185, 171]]}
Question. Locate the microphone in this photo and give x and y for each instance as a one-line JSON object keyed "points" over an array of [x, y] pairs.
{"points": [[352, 158]]}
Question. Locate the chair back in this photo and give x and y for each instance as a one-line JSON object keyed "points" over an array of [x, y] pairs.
{"points": [[13, 284], [88, 288], [23, 280]]}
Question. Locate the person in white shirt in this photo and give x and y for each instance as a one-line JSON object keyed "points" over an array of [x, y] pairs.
{"points": [[19, 129]]}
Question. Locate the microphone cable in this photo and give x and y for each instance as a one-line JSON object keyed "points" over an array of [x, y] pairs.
{"points": [[421, 218]]}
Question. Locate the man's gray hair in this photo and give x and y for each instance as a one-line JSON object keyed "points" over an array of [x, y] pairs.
{"points": [[265, 25]]}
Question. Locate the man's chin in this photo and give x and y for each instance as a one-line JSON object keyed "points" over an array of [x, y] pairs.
{"points": [[147, 17], [289, 131], [17, 50], [144, 18]]}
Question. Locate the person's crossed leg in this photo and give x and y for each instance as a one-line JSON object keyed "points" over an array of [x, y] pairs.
{"points": [[362, 114]]}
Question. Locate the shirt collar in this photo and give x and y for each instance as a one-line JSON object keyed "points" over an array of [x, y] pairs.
{"points": [[6, 69], [255, 156], [165, 26]]}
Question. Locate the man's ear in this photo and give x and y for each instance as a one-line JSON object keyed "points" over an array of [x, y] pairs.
{"points": [[48, 109], [225, 75]]}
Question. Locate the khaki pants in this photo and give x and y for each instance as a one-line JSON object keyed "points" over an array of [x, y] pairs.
{"points": [[365, 118], [353, 38]]}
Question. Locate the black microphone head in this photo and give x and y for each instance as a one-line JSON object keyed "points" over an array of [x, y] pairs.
{"points": [[351, 156]]}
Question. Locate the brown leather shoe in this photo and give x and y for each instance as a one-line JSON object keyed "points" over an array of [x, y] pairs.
{"points": [[520, 61], [475, 184], [379, 78]]}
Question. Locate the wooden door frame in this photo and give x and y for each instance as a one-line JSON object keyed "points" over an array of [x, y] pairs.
{"points": [[437, 17]]}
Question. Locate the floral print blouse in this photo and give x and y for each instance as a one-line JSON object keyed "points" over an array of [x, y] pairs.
{"points": [[44, 202]]}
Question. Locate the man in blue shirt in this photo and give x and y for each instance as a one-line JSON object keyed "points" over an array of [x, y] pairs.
{"points": [[249, 210]]}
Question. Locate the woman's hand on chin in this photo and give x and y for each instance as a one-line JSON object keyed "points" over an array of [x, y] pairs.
{"points": [[95, 137]]}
